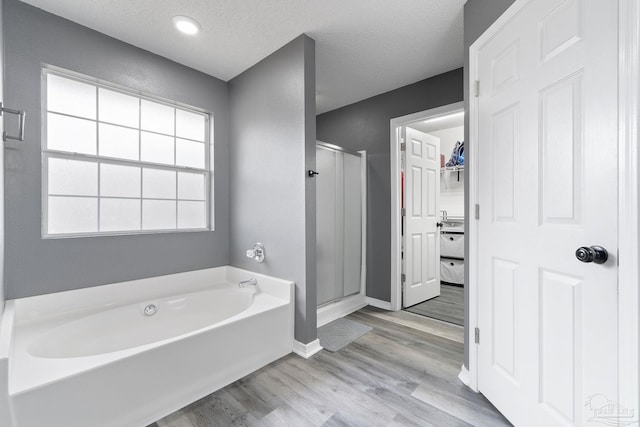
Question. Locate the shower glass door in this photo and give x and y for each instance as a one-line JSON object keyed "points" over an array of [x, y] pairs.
{"points": [[339, 223]]}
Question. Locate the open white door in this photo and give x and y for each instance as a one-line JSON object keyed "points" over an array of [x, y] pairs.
{"points": [[421, 240], [547, 143]]}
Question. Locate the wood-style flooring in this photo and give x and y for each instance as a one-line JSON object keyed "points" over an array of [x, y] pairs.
{"points": [[449, 306], [402, 373]]}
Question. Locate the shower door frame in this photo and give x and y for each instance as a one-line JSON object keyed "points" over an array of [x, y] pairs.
{"points": [[340, 307]]}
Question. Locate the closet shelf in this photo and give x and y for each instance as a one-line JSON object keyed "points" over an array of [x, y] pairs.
{"points": [[453, 169]]}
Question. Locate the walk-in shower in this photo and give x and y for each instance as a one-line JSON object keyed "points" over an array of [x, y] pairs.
{"points": [[340, 219]]}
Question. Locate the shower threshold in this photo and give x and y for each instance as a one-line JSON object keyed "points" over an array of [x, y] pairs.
{"points": [[332, 310]]}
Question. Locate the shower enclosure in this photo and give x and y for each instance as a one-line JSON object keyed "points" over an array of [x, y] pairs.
{"points": [[340, 192]]}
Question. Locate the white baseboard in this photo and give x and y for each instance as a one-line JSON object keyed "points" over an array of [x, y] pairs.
{"points": [[385, 305], [331, 312], [464, 376], [306, 350]]}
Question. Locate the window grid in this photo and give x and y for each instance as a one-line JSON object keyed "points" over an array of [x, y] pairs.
{"points": [[175, 158], [142, 165], [104, 122], [140, 157], [97, 153]]}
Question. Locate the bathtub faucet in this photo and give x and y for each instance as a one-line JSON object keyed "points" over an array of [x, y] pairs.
{"points": [[249, 282]]}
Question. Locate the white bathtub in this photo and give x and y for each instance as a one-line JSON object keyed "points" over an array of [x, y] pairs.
{"points": [[92, 357]]}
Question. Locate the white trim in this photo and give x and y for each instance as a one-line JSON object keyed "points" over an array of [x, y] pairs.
{"points": [[396, 234], [628, 199], [463, 376], [628, 204], [472, 238], [396, 203], [374, 302], [363, 232], [306, 350], [335, 310]]}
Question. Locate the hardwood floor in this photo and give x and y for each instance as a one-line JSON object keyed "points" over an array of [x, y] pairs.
{"points": [[402, 373], [449, 306]]}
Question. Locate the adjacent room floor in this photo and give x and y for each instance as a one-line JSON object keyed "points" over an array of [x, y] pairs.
{"points": [[448, 307], [402, 373]]}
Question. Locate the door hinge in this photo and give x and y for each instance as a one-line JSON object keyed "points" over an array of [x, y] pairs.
{"points": [[476, 88], [403, 146], [477, 335], [403, 212], [477, 214], [403, 278]]}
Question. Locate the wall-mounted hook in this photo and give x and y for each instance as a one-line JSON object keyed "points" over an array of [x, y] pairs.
{"points": [[312, 173]]}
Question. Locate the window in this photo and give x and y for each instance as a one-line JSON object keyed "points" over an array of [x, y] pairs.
{"points": [[116, 162]]}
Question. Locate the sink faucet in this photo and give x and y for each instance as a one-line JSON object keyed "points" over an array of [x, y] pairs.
{"points": [[248, 282]]}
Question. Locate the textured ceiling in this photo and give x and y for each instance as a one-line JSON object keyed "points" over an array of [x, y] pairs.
{"points": [[363, 47]]}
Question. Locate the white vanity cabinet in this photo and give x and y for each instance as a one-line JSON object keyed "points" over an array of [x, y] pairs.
{"points": [[452, 252], [451, 245]]}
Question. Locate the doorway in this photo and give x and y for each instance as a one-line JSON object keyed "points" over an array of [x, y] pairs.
{"points": [[438, 220], [448, 306]]}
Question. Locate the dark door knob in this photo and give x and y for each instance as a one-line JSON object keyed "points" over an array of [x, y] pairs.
{"points": [[596, 254]]}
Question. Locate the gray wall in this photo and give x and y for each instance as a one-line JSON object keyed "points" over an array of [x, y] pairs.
{"points": [[365, 126], [36, 266], [272, 110], [478, 16], [2, 287]]}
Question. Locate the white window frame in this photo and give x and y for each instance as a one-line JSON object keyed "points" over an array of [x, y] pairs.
{"points": [[47, 153]]}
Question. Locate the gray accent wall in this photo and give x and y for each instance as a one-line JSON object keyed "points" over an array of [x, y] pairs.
{"points": [[478, 16], [2, 286], [272, 110], [36, 266], [365, 125]]}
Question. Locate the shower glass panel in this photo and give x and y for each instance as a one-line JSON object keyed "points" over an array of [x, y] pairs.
{"points": [[339, 223]]}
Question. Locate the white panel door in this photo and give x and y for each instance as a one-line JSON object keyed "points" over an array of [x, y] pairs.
{"points": [[421, 234], [547, 186]]}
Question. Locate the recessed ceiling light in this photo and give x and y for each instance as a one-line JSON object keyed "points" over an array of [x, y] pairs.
{"points": [[186, 25]]}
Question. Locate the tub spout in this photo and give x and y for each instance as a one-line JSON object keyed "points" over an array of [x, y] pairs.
{"points": [[248, 282]]}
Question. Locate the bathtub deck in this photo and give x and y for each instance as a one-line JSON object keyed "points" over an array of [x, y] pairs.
{"points": [[402, 373]]}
